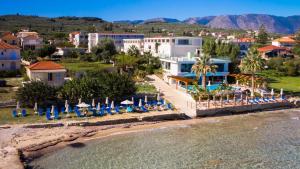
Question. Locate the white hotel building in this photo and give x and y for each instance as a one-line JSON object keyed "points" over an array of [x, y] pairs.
{"points": [[94, 39], [177, 55]]}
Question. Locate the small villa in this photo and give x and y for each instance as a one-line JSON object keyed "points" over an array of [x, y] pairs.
{"points": [[48, 72], [287, 42], [271, 51], [9, 57], [178, 71]]}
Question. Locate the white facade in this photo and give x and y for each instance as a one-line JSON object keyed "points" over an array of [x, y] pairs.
{"points": [[182, 67], [29, 40], [94, 39], [166, 47], [50, 77], [138, 43], [10, 59], [78, 39]]}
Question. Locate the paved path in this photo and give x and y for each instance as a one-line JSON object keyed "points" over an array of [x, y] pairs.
{"points": [[182, 101]]}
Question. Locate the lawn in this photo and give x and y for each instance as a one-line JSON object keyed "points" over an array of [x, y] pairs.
{"points": [[289, 84], [146, 89], [78, 66], [9, 92]]}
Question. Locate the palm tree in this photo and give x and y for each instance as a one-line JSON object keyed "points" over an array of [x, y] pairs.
{"points": [[202, 67], [252, 64]]}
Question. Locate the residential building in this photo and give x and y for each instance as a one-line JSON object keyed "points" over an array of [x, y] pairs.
{"points": [[166, 47], [94, 39], [10, 58], [271, 51], [48, 72], [9, 38], [29, 40], [182, 67], [78, 39], [286, 41]]}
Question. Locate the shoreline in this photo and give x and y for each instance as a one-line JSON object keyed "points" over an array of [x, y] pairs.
{"points": [[33, 143]]}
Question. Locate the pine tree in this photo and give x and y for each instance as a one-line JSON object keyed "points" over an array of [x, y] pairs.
{"points": [[262, 37]]}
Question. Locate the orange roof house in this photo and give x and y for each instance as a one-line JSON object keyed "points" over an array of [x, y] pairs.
{"points": [[45, 65], [270, 51], [10, 39], [4, 45], [284, 42], [48, 72]]}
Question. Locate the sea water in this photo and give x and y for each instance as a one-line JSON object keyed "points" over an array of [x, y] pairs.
{"points": [[264, 140]]}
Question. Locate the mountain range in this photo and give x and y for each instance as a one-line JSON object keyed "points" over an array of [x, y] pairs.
{"points": [[272, 23]]}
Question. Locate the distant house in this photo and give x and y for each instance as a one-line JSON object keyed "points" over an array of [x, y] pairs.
{"points": [[287, 42], [244, 44], [48, 72], [78, 39], [94, 39], [271, 51], [9, 38], [9, 57], [29, 40]]}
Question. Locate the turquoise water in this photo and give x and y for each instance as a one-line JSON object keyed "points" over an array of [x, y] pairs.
{"points": [[209, 88], [258, 141]]}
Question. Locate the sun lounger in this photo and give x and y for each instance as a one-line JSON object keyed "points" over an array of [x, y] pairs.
{"points": [[129, 109], [273, 99], [14, 113], [63, 110], [56, 114], [144, 109], [101, 113], [78, 113], [48, 115], [24, 113], [117, 109], [108, 110], [40, 112], [253, 101]]}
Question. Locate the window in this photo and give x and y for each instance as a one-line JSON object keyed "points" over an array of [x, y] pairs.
{"points": [[168, 40], [2, 53], [183, 42], [50, 76], [163, 41], [186, 67], [2, 64], [167, 65], [220, 67]]}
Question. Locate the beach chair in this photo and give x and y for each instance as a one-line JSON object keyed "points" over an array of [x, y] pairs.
{"points": [[40, 112], [252, 101], [101, 113], [48, 115], [63, 110], [94, 113], [266, 100], [117, 109], [144, 109], [129, 109], [283, 98], [14, 113], [108, 110], [56, 114], [78, 113], [24, 113], [169, 106]]}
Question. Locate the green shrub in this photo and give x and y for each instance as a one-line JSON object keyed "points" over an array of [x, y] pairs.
{"points": [[10, 73], [39, 92]]}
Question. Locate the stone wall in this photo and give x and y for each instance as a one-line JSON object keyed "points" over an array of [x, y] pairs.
{"points": [[242, 109]]}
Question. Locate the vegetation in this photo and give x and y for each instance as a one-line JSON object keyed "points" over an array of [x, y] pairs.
{"points": [[112, 85], [252, 64], [105, 52], [202, 67], [219, 49], [9, 93], [145, 89], [36, 92], [262, 37]]}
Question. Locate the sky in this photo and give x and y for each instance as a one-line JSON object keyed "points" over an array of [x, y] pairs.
{"points": [[113, 10]]}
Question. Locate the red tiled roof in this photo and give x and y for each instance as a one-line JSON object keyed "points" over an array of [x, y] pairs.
{"points": [[45, 65], [75, 33], [285, 40], [9, 37], [4, 45], [246, 40], [270, 48]]}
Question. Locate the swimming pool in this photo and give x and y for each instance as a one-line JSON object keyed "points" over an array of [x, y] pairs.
{"points": [[209, 88]]}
